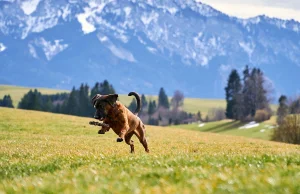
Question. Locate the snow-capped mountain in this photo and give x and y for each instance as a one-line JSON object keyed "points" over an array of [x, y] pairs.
{"points": [[142, 46]]}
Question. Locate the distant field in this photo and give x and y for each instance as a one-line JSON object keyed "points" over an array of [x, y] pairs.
{"points": [[192, 105], [53, 153], [263, 131], [17, 92]]}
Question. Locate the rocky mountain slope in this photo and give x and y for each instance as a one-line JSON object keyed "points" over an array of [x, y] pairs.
{"points": [[142, 46]]}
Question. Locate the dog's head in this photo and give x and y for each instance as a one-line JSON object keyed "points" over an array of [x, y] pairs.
{"points": [[102, 104]]}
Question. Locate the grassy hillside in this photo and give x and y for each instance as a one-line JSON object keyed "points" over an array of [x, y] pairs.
{"points": [[263, 131], [17, 92], [52, 153]]}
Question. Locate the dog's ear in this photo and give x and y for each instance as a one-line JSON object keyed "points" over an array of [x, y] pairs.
{"points": [[112, 99], [95, 98]]}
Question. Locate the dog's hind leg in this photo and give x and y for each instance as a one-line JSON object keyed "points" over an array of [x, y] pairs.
{"points": [[140, 133], [129, 141]]}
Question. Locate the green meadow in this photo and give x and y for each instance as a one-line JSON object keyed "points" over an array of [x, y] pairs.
{"points": [[263, 130], [54, 153]]}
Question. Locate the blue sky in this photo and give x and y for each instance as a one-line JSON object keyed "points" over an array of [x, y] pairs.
{"points": [[284, 9]]}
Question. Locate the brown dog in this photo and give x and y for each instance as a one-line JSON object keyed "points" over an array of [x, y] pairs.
{"points": [[122, 121]]}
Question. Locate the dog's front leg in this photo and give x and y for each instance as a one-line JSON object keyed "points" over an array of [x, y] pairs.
{"points": [[122, 134], [103, 130], [123, 127]]}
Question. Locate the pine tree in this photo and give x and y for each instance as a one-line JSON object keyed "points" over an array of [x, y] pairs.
{"points": [[163, 100], [31, 101], [144, 103], [262, 101], [199, 116], [255, 95], [247, 93], [102, 88], [84, 101], [71, 106], [295, 106], [95, 90], [132, 106], [48, 105], [6, 102], [152, 107], [233, 96], [283, 109]]}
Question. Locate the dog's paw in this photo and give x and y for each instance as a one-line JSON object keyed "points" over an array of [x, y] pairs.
{"points": [[101, 132], [119, 139]]}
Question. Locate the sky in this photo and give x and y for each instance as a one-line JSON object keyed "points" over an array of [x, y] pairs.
{"points": [[284, 9]]}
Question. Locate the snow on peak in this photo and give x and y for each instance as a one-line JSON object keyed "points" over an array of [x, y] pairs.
{"points": [[50, 48], [248, 48], [32, 51], [29, 6], [86, 19], [2, 47], [118, 51], [148, 18]]}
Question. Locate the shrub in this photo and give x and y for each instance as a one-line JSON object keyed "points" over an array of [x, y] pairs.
{"points": [[216, 114], [289, 130], [262, 115]]}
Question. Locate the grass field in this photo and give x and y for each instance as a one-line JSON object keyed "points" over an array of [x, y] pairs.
{"points": [[229, 127], [52, 153]]}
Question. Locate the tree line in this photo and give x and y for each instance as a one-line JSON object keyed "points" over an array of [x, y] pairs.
{"points": [[247, 98], [163, 111], [77, 102]]}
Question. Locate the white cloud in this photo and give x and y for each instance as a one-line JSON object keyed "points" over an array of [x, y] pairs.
{"points": [[2, 47], [29, 6], [289, 9], [51, 49]]}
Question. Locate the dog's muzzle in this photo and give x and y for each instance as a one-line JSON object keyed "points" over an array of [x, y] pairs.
{"points": [[99, 118]]}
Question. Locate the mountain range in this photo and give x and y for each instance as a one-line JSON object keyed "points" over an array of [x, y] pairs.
{"points": [[142, 45]]}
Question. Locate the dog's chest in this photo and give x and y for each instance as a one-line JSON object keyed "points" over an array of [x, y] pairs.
{"points": [[116, 118]]}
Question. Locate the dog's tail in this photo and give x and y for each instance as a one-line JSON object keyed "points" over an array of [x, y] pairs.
{"points": [[138, 102]]}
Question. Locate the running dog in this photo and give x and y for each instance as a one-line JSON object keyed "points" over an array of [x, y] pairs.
{"points": [[122, 121]]}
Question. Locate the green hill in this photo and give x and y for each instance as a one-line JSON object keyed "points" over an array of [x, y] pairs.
{"points": [[53, 153], [262, 130]]}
